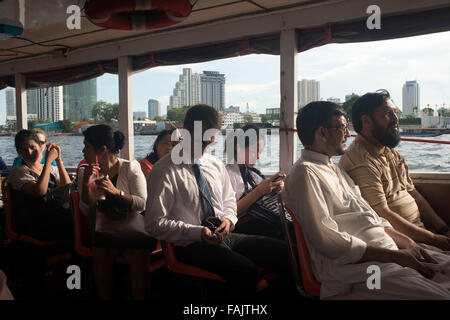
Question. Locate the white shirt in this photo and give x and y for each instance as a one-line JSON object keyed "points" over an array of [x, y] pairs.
{"points": [[236, 179], [174, 212], [337, 222], [20, 175]]}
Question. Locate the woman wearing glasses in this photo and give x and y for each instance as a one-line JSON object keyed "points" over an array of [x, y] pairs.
{"points": [[31, 181], [42, 143], [162, 146]]}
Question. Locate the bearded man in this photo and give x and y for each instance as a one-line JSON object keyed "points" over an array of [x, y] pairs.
{"points": [[382, 173]]}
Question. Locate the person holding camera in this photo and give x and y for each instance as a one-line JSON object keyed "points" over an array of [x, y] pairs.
{"points": [[193, 206], [32, 182]]}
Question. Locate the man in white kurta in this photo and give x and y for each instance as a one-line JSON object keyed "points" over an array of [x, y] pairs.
{"points": [[343, 234]]}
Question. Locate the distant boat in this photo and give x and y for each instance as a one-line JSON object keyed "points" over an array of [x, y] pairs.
{"points": [[423, 132]]}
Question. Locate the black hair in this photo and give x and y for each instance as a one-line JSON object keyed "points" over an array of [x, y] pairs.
{"points": [[246, 141], [313, 116], [152, 157], [204, 113], [366, 105], [104, 135], [24, 135]]}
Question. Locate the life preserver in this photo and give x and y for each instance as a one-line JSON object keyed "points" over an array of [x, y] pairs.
{"points": [[137, 14]]}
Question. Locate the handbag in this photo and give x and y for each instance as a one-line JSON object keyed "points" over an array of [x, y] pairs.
{"points": [[56, 197], [263, 216]]}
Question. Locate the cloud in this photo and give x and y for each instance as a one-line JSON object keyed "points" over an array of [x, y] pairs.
{"points": [[251, 88]]}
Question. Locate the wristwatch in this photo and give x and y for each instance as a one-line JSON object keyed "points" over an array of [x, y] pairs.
{"points": [[121, 193]]}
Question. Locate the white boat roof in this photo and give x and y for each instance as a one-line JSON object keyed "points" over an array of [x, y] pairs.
{"points": [[211, 21]]}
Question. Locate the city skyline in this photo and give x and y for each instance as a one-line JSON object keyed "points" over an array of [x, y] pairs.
{"points": [[342, 69]]}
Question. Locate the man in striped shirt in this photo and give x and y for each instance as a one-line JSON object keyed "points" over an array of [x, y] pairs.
{"points": [[382, 173]]}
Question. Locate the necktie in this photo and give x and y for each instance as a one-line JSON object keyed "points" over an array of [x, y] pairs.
{"points": [[205, 193]]}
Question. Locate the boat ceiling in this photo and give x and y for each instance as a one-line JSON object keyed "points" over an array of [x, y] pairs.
{"points": [[211, 21]]}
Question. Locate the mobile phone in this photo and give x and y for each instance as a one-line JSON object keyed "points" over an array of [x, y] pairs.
{"points": [[212, 223], [281, 176]]}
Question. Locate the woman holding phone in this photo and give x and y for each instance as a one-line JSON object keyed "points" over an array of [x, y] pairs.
{"points": [[249, 183]]}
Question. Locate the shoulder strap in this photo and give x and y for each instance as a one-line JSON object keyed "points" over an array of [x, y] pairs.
{"points": [[247, 178]]}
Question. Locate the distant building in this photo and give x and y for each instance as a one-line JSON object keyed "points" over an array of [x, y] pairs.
{"points": [[273, 114], [308, 91], [10, 102], [229, 118], [79, 100], [350, 96], [47, 103], [11, 105], [256, 118], [334, 100], [213, 89], [411, 97], [139, 115], [194, 88], [154, 108], [232, 109], [187, 90]]}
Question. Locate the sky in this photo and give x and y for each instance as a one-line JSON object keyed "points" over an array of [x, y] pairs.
{"points": [[341, 69]]}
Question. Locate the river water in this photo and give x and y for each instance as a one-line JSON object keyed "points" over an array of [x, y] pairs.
{"points": [[421, 157]]}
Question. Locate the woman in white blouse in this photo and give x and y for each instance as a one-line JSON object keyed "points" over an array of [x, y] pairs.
{"points": [[247, 148], [117, 190]]}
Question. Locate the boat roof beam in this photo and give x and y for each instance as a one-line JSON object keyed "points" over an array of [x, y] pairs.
{"points": [[21, 102], [288, 103], [126, 106]]}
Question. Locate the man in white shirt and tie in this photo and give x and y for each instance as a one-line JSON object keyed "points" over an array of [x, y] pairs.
{"points": [[344, 235], [176, 212]]}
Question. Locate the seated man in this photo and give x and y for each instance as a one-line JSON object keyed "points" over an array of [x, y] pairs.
{"points": [[181, 197], [382, 173], [344, 235]]}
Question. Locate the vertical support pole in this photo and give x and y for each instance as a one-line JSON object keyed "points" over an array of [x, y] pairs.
{"points": [[21, 102], [288, 89], [126, 107]]}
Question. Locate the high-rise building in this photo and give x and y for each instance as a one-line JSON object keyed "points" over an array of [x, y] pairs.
{"points": [[47, 103], [10, 102], [213, 89], [187, 90], [79, 99], [411, 97], [308, 91], [193, 88], [154, 108]]}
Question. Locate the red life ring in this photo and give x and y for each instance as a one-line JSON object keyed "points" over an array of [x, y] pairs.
{"points": [[137, 14]]}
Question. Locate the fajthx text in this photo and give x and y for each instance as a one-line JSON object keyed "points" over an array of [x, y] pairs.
{"points": [[239, 310]]}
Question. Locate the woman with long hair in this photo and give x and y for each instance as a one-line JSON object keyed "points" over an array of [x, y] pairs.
{"points": [[117, 190], [248, 182]]}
